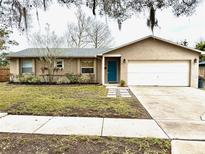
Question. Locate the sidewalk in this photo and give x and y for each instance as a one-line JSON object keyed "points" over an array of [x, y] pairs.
{"points": [[115, 127], [187, 147], [81, 126]]}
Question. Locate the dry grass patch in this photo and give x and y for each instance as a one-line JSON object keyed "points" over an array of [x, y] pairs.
{"points": [[24, 144]]}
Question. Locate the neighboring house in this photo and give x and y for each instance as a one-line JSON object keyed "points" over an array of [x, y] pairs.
{"points": [[202, 69], [150, 61]]}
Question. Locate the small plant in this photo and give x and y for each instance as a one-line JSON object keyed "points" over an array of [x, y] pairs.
{"points": [[122, 83]]}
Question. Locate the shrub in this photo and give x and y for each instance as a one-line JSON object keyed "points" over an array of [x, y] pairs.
{"points": [[28, 78], [122, 83], [92, 78], [80, 78], [73, 78], [35, 79], [84, 78], [63, 80]]}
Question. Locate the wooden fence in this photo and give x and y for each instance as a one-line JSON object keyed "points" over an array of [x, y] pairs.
{"points": [[4, 74]]}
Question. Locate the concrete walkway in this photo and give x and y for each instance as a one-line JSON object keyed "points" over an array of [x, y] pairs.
{"points": [[118, 91], [81, 126]]}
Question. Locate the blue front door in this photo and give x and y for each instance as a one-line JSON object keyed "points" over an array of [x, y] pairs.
{"points": [[112, 71]]}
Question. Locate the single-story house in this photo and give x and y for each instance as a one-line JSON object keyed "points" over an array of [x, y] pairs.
{"points": [[150, 61]]}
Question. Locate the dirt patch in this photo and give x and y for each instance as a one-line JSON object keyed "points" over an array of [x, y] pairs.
{"points": [[26, 144]]}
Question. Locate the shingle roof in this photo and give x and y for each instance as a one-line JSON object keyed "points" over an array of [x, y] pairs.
{"points": [[59, 52], [86, 52]]}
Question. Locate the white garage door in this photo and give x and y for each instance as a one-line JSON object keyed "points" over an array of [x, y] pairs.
{"points": [[160, 73]]}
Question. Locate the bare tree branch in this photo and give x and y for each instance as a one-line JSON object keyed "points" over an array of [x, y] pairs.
{"points": [[94, 5], [88, 32], [48, 49]]}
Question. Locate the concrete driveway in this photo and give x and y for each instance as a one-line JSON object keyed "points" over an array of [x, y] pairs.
{"points": [[177, 110]]}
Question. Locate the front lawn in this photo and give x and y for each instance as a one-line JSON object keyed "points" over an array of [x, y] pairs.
{"points": [[77, 100], [25, 144]]}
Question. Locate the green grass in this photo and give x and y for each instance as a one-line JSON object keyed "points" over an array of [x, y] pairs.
{"points": [[22, 143], [78, 100]]}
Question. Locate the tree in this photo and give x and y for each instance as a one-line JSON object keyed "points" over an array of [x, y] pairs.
{"points": [[184, 43], [99, 34], [3, 60], [77, 35], [16, 12], [88, 32], [47, 45], [124, 9], [201, 46], [5, 42]]}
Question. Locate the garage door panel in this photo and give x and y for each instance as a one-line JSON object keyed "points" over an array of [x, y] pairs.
{"points": [[178, 79], [162, 73], [143, 66], [141, 79]]}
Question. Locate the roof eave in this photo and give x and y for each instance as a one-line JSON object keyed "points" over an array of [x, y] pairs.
{"points": [[203, 53], [173, 43], [57, 57]]}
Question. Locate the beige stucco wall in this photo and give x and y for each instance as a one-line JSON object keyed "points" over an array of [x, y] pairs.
{"points": [[99, 70], [152, 49], [71, 65]]}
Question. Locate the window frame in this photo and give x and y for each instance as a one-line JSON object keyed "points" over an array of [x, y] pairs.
{"points": [[81, 70], [56, 61], [83, 67], [23, 67]]}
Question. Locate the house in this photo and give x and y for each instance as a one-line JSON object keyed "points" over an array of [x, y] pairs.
{"points": [[202, 69], [150, 61]]}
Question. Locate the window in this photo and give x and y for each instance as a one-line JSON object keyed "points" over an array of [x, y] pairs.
{"points": [[87, 66], [59, 63], [87, 70], [26, 66]]}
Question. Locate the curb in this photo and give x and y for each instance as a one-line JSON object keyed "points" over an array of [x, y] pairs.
{"points": [[3, 114]]}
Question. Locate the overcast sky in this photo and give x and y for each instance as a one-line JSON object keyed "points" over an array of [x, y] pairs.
{"points": [[191, 28]]}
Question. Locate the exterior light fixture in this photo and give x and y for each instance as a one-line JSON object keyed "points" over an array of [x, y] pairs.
{"points": [[195, 60], [124, 60]]}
